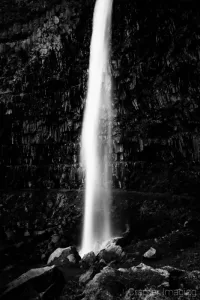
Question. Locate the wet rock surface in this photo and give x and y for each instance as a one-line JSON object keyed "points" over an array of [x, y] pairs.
{"points": [[175, 240], [110, 253], [88, 260], [52, 219], [133, 281], [62, 255]]}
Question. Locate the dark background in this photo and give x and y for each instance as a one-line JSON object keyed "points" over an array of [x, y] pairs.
{"points": [[44, 58]]}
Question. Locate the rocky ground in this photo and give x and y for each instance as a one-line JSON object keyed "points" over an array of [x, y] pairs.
{"points": [[157, 257]]}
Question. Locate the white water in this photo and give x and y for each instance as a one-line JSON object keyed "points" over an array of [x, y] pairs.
{"points": [[96, 134]]}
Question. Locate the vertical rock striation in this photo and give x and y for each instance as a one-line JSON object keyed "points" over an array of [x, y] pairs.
{"points": [[44, 55]]}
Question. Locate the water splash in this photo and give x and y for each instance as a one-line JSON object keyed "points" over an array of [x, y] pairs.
{"points": [[96, 134]]}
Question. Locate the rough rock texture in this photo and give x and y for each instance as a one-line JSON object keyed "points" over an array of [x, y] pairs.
{"points": [[121, 280], [107, 283], [40, 118], [142, 282], [45, 221], [62, 255], [40, 221], [33, 283], [44, 55], [111, 253], [88, 260]]}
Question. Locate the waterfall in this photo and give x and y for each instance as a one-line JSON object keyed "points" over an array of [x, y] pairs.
{"points": [[96, 134]]}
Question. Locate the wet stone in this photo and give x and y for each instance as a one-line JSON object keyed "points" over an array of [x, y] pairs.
{"points": [[56, 20], [60, 255], [88, 260]]}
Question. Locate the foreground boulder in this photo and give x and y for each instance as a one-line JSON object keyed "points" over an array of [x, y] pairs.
{"points": [[111, 252], [143, 276], [92, 271], [106, 284], [111, 283], [62, 255], [67, 261], [34, 283], [88, 260], [142, 282], [89, 274]]}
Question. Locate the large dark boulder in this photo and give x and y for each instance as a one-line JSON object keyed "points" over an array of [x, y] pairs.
{"points": [[34, 283]]}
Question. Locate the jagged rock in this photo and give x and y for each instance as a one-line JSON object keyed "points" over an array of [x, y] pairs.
{"points": [[56, 20], [154, 281], [88, 260], [89, 274], [60, 256], [72, 258], [151, 253], [67, 261], [32, 283], [95, 266], [123, 270], [143, 275], [111, 252], [104, 285], [111, 242], [113, 282]]}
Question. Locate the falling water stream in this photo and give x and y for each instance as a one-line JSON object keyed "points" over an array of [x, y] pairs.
{"points": [[96, 134]]}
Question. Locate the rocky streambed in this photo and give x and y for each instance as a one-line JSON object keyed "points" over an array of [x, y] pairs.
{"points": [[157, 257], [112, 273]]}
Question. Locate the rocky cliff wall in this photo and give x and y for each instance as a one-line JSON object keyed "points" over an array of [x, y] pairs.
{"points": [[44, 52]]}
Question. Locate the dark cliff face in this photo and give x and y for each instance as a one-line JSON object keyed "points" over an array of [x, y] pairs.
{"points": [[44, 54]]}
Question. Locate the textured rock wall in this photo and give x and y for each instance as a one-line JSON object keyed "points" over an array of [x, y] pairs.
{"points": [[41, 104], [45, 220], [44, 52]]}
